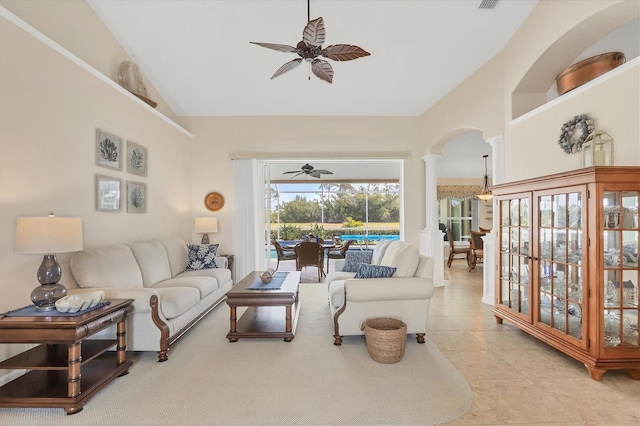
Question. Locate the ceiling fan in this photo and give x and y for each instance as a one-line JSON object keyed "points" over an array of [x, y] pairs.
{"points": [[311, 47], [308, 169]]}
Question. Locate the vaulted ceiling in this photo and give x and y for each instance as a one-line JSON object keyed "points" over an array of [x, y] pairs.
{"points": [[198, 56]]}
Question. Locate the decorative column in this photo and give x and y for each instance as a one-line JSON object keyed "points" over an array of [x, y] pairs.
{"points": [[431, 237], [489, 240]]}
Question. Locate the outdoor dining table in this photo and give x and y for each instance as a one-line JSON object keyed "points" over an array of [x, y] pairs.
{"points": [[325, 245]]}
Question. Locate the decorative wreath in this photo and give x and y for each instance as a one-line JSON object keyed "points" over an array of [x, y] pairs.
{"points": [[568, 141]]}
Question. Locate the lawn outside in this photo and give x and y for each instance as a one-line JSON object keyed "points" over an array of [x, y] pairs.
{"points": [[338, 226]]}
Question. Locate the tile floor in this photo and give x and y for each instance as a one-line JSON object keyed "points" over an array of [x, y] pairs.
{"points": [[516, 378]]}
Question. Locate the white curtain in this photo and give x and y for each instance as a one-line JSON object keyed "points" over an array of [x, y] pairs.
{"points": [[248, 216]]}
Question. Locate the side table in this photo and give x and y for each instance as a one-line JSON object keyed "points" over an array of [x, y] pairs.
{"points": [[66, 369]]}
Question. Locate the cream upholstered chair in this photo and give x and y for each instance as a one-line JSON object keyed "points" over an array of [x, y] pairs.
{"points": [[405, 295]]}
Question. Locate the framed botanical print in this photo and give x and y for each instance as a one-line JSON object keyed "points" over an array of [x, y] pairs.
{"points": [[136, 159], [108, 192], [136, 197], [108, 150]]}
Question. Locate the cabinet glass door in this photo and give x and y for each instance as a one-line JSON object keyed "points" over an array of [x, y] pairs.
{"points": [[621, 275], [514, 254], [560, 246]]}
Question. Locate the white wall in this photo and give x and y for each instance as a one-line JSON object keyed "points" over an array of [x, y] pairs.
{"points": [[218, 139], [614, 104], [49, 111], [524, 70]]}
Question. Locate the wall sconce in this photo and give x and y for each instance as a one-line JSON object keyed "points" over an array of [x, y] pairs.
{"points": [[597, 150], [48, 235], [485, 193], [205, 225]]}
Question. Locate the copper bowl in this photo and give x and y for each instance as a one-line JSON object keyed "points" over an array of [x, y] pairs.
{"points": [[584, 71]]}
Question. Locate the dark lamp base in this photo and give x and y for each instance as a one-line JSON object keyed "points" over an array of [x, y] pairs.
{"points": [[45, 296]]}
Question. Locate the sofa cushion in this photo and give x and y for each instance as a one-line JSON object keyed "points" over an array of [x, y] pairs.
{"points": [[175, 301], [177, 253], [353, 258], [111, 266], [205, 285], [222, 275], [201, 256], [403, 256], [152, 260], [374, 271], [379, 250]]}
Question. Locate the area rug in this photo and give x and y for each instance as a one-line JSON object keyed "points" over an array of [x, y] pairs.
{"points": [[309, 381]]}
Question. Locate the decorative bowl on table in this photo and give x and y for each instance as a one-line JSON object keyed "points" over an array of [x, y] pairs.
{"points": [[267, 275], [79, 302]]}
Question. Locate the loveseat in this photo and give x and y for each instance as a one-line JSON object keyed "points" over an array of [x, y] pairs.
{"points": [[405, 295], [168, 300]]}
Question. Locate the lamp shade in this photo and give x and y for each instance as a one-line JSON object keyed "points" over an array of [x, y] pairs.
{"points": [[204, 225], [43, 235]]}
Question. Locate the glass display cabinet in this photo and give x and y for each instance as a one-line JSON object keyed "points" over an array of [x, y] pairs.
{"points": [[568, 263]]}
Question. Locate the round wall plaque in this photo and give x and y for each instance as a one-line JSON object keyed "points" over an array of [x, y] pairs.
{"points": [[214, 201]]}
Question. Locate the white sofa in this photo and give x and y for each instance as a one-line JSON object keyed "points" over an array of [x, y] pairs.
{"points": [[405, 296], [167, 299]]}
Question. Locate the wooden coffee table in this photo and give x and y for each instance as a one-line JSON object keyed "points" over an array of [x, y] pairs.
{"points": [[270, 313]]}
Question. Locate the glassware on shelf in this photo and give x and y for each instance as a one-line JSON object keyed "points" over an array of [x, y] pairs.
{"points": [[630, 327], [630, 217], [611, 294], [611, 328], [611, 216]]}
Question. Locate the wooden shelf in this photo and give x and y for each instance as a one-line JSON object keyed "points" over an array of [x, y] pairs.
{"points": [[54, 357]]}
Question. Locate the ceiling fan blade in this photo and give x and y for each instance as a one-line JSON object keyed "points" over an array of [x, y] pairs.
{"points": [[315, 174], [298, 174], [324, 172], [322, 69], [292, 171], [344, 52], [314, 33], [278, 47], [287, 67]]}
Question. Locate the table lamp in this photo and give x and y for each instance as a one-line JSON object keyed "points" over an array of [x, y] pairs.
{"points": [[204, 225], [48, 235]]}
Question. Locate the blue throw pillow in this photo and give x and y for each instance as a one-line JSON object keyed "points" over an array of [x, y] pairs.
{"points": [[201, 256], [353, 258], [374, 271]]}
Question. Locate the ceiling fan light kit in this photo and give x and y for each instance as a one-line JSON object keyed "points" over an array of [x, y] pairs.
{"points": [[310, 48]]}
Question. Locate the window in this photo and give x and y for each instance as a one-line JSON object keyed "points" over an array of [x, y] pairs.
{"points": [[456, 215], [333, 209]]}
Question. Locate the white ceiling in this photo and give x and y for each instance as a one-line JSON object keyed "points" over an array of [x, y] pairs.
{"points": [[196, 53]]}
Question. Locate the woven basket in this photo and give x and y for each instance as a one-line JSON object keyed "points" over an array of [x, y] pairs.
{"points": [[386, 339]]}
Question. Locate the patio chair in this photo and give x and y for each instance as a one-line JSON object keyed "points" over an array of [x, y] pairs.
{"points": [[282, 253], [456, 250], [310, 253], [338, 252]]}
